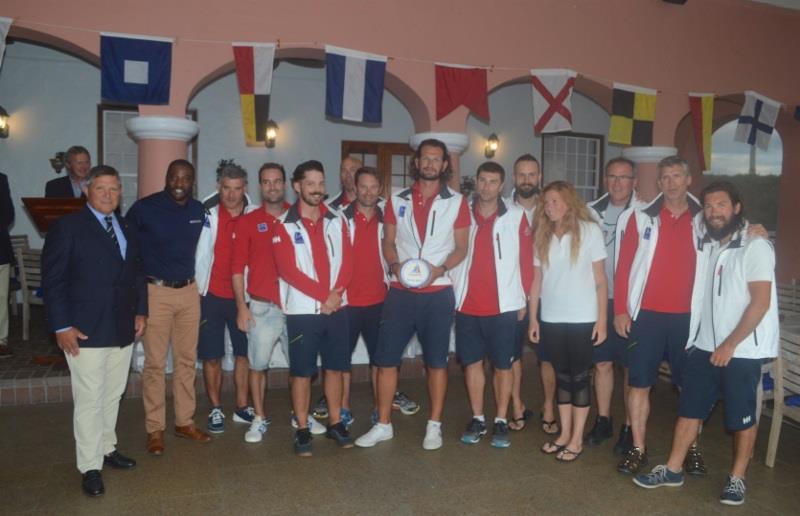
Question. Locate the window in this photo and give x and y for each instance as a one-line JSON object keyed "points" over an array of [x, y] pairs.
{"points": [[576, 158], [755, 172], [117, 149], [393, 161]]}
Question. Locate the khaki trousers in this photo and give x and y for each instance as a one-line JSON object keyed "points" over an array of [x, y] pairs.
{"points": [[174, 314], [98, 378]]}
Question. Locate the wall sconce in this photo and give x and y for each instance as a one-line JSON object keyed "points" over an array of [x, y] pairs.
{"points": [[271, 133], [57, 161], [3, 123], [491, 146]]}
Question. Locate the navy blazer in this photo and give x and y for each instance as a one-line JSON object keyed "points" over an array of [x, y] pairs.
{"points": [[88, 285], [6, 220], [60, 187]]}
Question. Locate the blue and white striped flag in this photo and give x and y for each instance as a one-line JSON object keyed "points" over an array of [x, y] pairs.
{"points": [[135, 69], [354, 85], [5, 25]]}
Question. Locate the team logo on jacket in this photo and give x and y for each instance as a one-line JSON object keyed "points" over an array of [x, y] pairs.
{"points": [[262, 228], [402, 211], [298, 238], [646, 234]]}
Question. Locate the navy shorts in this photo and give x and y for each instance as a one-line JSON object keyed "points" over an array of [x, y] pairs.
{"points": [[216, 314], [317, 334], [364, 321], [656, 337], [428, 314], [613, 349], [522, 332], [735, 384], [494, 336]]}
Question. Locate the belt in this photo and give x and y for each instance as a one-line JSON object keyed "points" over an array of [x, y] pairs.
{"points": [[262, 299], [169, 284]]}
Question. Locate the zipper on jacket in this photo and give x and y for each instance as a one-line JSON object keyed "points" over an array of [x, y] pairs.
{"points": [[499, 251], [755, 335], [433, 222], [330, 242]]}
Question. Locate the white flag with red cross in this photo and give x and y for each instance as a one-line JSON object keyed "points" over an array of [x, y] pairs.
{"points": [[552, 94]]}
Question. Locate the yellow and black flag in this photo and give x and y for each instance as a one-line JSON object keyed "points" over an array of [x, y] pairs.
{"points": [[633, 110], [254, 76]]}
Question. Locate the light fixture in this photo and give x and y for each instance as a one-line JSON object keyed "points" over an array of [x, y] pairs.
{"points": [[3, 123], [57, 161], [491, 146], [271, 133]]}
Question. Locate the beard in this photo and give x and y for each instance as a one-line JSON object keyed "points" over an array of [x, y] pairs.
{"points": [[723, 231], [527, 191]]}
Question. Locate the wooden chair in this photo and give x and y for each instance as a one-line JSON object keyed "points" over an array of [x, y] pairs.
{"points": [[786, 373], [29, 265], [17, 242]]}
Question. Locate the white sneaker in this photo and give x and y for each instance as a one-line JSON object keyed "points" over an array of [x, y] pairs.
{"points": [[314, 426], [433, 436], [257, 430], [379, 432]]}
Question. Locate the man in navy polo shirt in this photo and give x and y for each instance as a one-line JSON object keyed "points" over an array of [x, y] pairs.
{"points": [[168, 224], [430, 222], [491, 288]]}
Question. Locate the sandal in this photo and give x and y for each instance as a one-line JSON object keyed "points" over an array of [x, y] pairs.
{"points": [[567, 452], [549, 424], [519, 423], [551, 448]]}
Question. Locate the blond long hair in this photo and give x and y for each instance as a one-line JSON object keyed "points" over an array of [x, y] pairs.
{"points": [[544, 228]]}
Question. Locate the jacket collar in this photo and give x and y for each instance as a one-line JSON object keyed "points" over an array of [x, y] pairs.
{"points": [[293, 213], [444, 192], [654, 208], [501, 205], [350, 212]]}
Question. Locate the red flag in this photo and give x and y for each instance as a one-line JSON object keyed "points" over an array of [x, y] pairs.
{"points": [[456, 86]]}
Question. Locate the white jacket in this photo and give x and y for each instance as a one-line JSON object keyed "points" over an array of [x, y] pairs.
{"points": [[439, 241], [598, 208], [648, 221], [204, 255], [731, 297], [505, 236], [293, 300]]}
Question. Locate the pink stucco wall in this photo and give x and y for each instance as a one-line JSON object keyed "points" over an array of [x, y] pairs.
{"points": [[721, 46]]}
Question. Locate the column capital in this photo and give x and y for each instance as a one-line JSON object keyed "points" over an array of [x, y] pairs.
{"points": [[648, 154], [456, 142], [161, 128]]}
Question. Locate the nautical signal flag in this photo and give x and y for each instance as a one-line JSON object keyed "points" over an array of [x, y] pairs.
{"points": [[552, 95], [633, 110], [5, 25], [135, 69], [354, 85], [702, 108], [757, 120], [254, 62], [458, 85]]}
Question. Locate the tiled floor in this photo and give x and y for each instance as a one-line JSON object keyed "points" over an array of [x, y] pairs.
{"points": [[228, 476]]}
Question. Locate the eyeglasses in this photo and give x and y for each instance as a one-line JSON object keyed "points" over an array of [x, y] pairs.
{"points": [[618, 178]]}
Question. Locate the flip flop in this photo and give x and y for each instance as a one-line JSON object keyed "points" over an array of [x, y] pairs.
{"points": [[520, 421], [565, 451], [546, 424], [553, 447]]}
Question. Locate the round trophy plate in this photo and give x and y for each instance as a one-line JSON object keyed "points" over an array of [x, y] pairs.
{"points": [[414, 273]]}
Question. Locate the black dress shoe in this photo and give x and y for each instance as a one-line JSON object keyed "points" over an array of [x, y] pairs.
{"points": [[117, 460], [92, 483]]}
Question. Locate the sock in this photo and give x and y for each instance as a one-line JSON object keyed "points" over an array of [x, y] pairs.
{"points": [[501, 420], [480, 418], [435, 423], [384, 426]]}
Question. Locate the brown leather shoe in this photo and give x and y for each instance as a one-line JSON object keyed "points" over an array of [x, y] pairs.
{"points": [[192, 433], [155, 442]]}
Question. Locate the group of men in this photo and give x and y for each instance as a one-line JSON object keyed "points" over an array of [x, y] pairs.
{"points": [[312, 277]]}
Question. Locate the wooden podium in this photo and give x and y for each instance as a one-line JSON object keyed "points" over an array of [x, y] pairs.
{"points": [[46, 211]]}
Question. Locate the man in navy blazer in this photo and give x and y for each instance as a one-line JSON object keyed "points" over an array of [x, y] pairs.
{"points": [[77, 162], [95, 299]]}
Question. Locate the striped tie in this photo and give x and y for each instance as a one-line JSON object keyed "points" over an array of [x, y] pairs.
{"points": [[111, 233]]}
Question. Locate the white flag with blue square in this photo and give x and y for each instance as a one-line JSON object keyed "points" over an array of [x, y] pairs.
{"points": [[354, 85], [757, 120], [135, 69]]}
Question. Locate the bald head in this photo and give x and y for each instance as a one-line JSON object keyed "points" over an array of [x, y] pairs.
{"points": [[347, 175]]}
